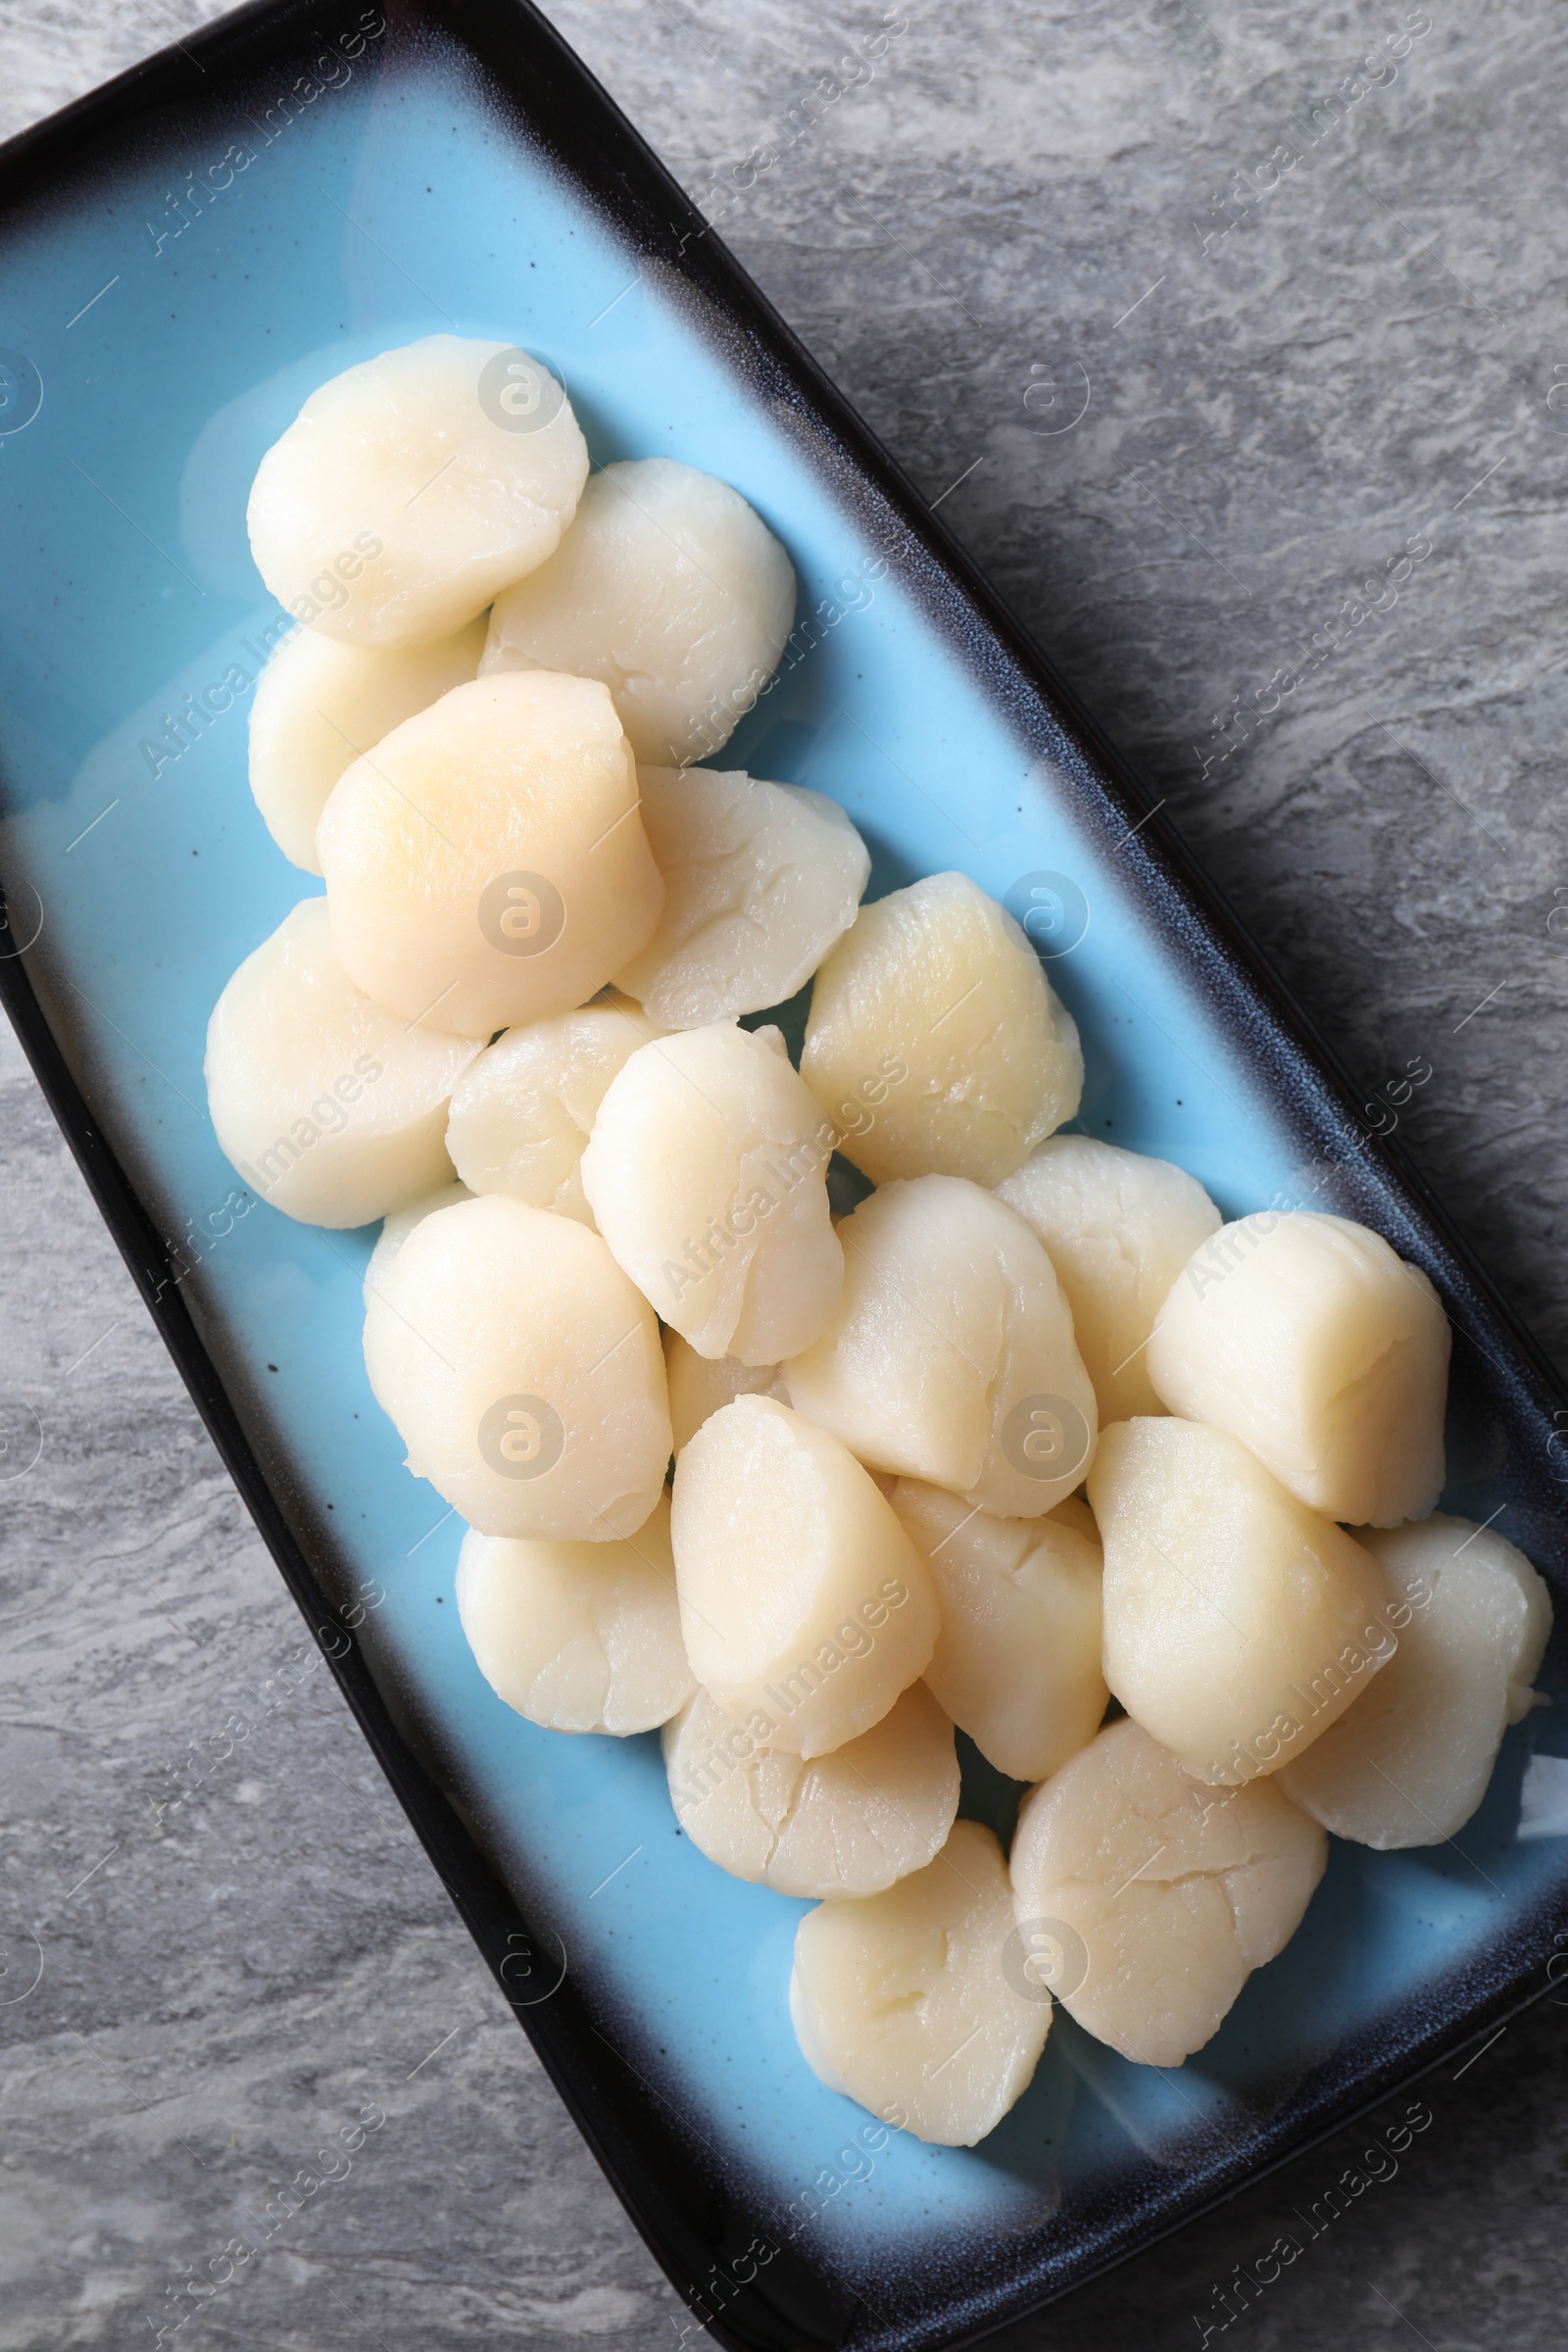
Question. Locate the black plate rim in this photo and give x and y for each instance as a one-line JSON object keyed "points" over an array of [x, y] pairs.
{"points": [[684, 2217]]}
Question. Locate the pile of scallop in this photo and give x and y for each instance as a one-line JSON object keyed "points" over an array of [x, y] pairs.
{"points": [[1028, 1431]]}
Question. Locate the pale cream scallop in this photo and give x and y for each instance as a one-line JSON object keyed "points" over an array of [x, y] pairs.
{"points": [[803, 1600], [1016, 1663], [523, 1373], [669, 589], [937, 988], [904, 2001], [578, 1637], [412, 487], [701, 1384], [1409, 1763], [706, 1173], [1146, 1900], [331, 1108], [1309, 1339], [951, 1355], [1239, 1625], [849, 1823], [1118, 1227], [395, 1229], [523, 1112], [319, 704], [759, 880], [486, 865]]}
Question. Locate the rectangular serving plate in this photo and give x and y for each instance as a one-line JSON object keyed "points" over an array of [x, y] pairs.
{"points": [[183, 256]]}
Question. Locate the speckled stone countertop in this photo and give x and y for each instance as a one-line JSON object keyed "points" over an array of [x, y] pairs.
{"points": [[1234, 344]]}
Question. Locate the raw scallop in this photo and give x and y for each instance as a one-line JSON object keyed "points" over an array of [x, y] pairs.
{"points": [[803, 1600], [1308, 1338], [578, 1637], [1239, 1624], [700, 1385], [1118, 1227], [672, 591], [412, 487], [951, 1355], [319, 704], [1409, 1763], [523, 1373], [938, 984], [706, 1173], [849, 1823], [1016, 1663], [331, 1108], [759, 880], [486, 864], [395, 1229], [1150, 1899], [903, 2000], [522, 1113]]}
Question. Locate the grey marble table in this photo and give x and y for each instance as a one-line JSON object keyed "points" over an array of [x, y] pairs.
{"points": [[1199, 325]]}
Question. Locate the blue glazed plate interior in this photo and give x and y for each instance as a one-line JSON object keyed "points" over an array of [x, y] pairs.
{"points": [[164, 339]]}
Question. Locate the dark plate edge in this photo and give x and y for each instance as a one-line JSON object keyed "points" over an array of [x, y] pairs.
{"points": [[1238, 970]]}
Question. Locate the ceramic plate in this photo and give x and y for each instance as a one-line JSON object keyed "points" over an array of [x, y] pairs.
{"points": [[183, 258]]}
